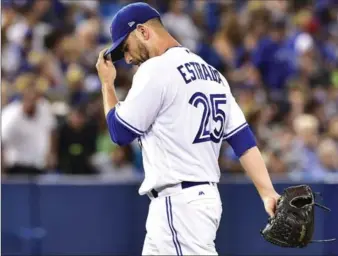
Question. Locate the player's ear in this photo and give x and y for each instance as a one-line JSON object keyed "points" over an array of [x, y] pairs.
{"points": [[143, 31]]}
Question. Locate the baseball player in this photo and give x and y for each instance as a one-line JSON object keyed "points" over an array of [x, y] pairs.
{"points": [[180, 109]]}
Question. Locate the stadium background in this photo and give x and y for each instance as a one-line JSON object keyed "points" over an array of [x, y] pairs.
{"points": [[280, 59]]}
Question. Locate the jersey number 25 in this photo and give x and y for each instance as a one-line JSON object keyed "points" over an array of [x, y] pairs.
{"points": [[211, 106]]}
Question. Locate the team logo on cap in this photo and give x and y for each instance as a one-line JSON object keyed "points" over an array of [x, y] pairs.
{"points": [[131, 23]]}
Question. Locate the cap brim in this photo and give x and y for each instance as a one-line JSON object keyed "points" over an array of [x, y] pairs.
{"points": [[115, 51]]}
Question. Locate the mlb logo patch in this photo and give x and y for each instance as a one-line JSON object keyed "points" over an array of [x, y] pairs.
{"points": [[200, 193]]}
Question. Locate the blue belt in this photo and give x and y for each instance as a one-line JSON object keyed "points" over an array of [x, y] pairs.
{"points": [[184, 184]]}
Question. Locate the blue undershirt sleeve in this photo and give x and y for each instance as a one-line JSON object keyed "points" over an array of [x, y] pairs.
{"points": [[119, 132], [242, 141]]}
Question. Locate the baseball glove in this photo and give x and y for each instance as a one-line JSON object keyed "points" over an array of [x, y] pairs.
{"points": [[293, 222]]}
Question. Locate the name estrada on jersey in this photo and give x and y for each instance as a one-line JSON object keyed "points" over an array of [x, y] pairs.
{"points": [[181, 109], [199, 71]]}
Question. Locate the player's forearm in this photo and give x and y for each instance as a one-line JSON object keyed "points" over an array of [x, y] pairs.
{"points": [[118, 132], [253, 163], [109, 98]]}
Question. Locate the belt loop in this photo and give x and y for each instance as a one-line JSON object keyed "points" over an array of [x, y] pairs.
{"points": [[154, 193]]}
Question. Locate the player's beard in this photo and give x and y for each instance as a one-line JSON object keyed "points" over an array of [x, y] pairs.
{"points": [[143, 53]]}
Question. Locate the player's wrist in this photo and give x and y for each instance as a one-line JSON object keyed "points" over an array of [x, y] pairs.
{"points": [[108, 85], [108, 89], [267, 193]]}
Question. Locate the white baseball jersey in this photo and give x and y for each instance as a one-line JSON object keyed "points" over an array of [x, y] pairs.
{"points": [[182, 108]]}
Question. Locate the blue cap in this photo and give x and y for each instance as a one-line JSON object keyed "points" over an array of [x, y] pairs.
{"points": [[124, 22]]}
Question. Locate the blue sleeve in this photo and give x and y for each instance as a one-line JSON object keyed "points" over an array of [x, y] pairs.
{"points": [[242, 141], [119, 132]]}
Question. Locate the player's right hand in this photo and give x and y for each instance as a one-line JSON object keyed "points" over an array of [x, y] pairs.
{"points": [[105, 69], [270, 203]]}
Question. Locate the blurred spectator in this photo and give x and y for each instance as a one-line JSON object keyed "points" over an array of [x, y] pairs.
{"points": [[333, 129], [54, 65], [328, 152], [27, 132], [276, 7], [305, 158], [272, 59], [275, 163], [331, 103], [75, 81], [4, 93], [28, 18], [76, 143], [87, 34], [186, 32], [15, 56], [228, 40], [256, 26], [297, 97]]}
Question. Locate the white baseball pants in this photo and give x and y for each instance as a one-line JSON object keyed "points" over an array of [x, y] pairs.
{"points": [[183, 221]]}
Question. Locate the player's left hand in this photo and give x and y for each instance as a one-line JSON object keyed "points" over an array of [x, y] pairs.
{"points": [[270, 203], [105, 69]]}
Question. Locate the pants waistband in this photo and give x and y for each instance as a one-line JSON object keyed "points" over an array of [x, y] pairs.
{"points": [[183, 185]]}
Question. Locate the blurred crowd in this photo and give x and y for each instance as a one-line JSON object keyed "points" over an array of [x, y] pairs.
{"points": [[279, 57]]}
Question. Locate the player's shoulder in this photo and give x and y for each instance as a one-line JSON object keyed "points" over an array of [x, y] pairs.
{"points": [[12, 112], [153, 67], [158, 65], [222, 77], [151, 75], [12, 108]]}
